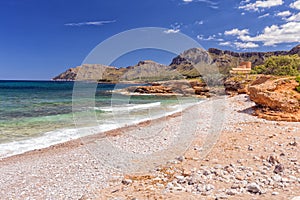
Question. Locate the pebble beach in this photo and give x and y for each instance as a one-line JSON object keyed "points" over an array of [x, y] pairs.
{"points": [[243, 158]]}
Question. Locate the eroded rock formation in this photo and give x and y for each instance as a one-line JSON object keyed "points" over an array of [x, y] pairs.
{"points": [[193, 87], [276, 98]]}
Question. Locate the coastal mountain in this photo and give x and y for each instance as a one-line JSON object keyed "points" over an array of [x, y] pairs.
{"points": [[148, 70], [144, 70], [91, 72], [191, 62], [186, 65]]}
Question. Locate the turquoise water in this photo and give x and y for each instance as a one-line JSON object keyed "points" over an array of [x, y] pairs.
{"points": [[41, 112]]}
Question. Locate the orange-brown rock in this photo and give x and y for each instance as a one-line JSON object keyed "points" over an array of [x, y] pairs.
{"points": [[269, 114], [158, 89], [238, 84], [276, 97], [184, 87]]}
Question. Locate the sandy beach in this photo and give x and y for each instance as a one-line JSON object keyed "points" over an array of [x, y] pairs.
{"points": [[251, 158]]}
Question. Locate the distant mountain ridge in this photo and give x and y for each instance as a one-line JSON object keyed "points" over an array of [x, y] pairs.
{"points": [[225, 57], [180, 67]]}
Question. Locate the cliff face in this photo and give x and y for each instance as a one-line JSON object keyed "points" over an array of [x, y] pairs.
{"points": [[90, 72], [277, 98], [191, 62], [144, 70], [184, 65], [68, 75], [174, 87], [148, 70], [295, 50]]}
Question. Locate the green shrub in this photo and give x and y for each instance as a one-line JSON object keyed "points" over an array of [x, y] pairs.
{"points": [[298, 80], [280, 65]]}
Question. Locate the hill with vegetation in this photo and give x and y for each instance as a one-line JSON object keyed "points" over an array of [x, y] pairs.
{"points": [[286, 65], [189, 64]]}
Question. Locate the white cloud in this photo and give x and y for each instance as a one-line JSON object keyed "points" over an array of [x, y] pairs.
{"points": [[175, 28], [294, 18], [295, 5], [245, 1], [214, 7], [260, 4], [240, 45], [237, 32], [284, 13], [92, 23], [209, 38], [199, 22], [171, 31], [242, 13], [273, 35], [225, 44], [201, 1], [246, 45], [263, 16]]}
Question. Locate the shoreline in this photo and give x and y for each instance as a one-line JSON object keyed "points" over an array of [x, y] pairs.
{"points": [[68, 137], [66, 162], [70, 170], [106, 133]]}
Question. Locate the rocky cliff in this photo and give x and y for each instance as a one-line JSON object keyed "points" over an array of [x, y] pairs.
{"points": [[192, 62], [276, 98], [173, 87], [143, 71], [90, 72]]}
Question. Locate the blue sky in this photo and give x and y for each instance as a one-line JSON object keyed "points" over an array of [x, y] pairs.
{"points": [[40, 39]]}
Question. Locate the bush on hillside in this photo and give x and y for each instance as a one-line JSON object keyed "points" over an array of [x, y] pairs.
{"points": [[288, 65], [298, 80]]}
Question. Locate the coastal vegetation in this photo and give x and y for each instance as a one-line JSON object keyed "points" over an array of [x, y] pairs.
{"points": [[298, 80], [287, 65]]}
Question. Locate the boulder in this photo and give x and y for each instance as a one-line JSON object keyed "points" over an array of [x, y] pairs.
{"points": [[278, 94], [276, 98]]}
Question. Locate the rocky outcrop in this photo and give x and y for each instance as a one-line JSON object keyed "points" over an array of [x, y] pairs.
{"points": [[181, 87], [238, 84], [68, 75], [276, 98], [154, 89], [295, 50]]}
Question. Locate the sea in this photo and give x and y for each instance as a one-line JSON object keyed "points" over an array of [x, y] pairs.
{"points": [[38, 114]]}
